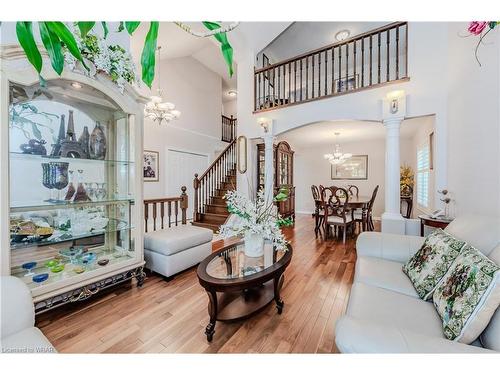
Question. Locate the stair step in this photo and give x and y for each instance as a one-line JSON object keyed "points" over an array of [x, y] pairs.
{"points": [[212, 218], [213, 227], [216, 209], [218, 200]]}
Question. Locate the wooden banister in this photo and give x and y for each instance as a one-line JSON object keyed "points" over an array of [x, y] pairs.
{"points": [[228, 128], [206, 185], [335, 69], [178, 202]]}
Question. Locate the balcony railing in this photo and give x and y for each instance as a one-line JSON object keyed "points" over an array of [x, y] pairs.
{"points": [[228, 128], [364, 61]]}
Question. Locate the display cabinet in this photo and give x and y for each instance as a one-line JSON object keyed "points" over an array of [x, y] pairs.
{"points": [[71, 150], [283, 174]]}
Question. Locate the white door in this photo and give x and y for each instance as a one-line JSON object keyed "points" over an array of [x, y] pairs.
{"points": [[181, 167]]}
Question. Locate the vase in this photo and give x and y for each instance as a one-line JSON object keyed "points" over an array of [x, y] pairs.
{"points": [[254, 245], [97, 143], [84, 141]]}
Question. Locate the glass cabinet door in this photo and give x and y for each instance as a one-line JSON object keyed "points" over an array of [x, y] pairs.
{"points": [[71, 182]]}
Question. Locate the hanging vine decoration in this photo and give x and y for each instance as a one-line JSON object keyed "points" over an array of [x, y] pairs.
{"points": [[478, 28], [56, 35]]}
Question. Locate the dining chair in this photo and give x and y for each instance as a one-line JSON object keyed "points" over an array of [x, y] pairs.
{"points": [[353, 190], [318, 211], [358, 216], [337, 213]]}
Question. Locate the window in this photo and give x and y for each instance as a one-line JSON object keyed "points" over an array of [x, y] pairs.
{"points": [[423, 174]]}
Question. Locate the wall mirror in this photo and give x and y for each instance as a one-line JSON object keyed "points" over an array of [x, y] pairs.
{"points": [[241, 144]]}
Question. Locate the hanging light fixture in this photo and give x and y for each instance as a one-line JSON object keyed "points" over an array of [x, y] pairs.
{"points": [[156, 109], [337, 157]]}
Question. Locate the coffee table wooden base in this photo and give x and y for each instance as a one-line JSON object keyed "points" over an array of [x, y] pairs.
{"points": [[233, 306]]}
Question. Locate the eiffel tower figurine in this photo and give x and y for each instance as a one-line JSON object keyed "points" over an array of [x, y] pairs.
{"points": [[56, 147], [70, 147]]}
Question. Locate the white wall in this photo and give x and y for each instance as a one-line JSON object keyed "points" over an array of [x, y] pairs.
{"points": [[473, 137], [196, 91], [230, 108]]}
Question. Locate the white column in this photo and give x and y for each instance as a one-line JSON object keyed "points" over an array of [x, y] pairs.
{"points": [[269, 166], [392, 220]]}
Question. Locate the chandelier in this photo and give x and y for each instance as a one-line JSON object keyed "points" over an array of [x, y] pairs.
{"points": [[337, 157], [158, 110]]}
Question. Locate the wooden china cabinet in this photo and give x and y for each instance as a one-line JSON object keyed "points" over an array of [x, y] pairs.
{"points": [[71, 153], [283, 174]]}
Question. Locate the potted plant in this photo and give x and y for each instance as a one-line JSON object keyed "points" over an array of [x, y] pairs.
{"points": [[406, 181], [255, 221]]}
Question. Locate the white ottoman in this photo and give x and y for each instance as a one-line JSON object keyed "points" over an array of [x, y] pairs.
{"points": [[172, 250]]}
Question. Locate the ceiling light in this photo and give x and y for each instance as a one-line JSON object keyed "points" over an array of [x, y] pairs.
{"points": [[232, 93], [342, 35], [76, 85], [337, 157]]}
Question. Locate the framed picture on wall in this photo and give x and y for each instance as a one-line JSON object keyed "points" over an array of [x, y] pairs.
{"points": [[354, 168], [150, 166]]}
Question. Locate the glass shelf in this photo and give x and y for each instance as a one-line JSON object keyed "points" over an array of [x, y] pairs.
{"points": [[113, 255], [37, 206], [60, 236], [42, 158]]}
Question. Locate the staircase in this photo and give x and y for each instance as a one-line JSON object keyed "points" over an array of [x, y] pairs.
{"points": [[210, 209]]}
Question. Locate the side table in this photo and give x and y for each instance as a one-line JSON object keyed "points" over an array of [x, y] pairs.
{"points": [[438, 222]]}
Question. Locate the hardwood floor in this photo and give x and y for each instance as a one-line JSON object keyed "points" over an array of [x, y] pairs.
{"points": [[170, 317]]}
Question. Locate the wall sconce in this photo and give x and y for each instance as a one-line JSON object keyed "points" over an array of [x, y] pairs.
{"points": [[264, 123], [393, 98]]}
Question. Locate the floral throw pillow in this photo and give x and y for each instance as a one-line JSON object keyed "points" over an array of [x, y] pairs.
{"points": [[468, 295], [428, 266]]}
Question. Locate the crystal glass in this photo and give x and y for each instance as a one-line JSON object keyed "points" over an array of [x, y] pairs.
{"points": [[47, 180], [101, 192], [29, 267], [90, 189], [59, 176], [71, 187]]}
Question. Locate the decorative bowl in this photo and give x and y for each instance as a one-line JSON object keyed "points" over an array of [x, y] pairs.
{"points": [[40, 278], [52, 263], [71, 253], [29, 265], [79, 269], [57, 268], [103, 262]]}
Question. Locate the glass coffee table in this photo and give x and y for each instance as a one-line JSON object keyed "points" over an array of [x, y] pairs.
{"points": [[239, 286]]}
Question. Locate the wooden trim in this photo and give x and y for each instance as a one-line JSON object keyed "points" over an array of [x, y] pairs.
{"points": [[216, 160], [375, 86], [181, 201]]}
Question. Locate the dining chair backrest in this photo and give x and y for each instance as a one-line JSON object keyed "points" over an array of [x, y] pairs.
{"points": [[372, 200], [315, 192], [338, 202], [353, 190], [326, 194]]}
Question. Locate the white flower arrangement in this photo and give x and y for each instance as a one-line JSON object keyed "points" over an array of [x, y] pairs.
{"points": [[256, 217], [110, 59]]}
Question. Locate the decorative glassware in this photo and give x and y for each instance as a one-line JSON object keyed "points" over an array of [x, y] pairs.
{"points": [[59, 176], [29, 267], [81, 194], [101, 192], [57, 268], [72, 253], [91, 191], [52, 263], [71, 188], [97, 143], [47, 179], [40, 278]]}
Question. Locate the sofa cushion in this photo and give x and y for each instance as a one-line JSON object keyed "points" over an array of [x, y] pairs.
{"points": [[468, 295], [428, 266], [490, 338], [383, 274], [480, 231], [29, 340], [392, 309], [175, 239]]}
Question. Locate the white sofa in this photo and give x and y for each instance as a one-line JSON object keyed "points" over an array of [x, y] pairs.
{"points": [[385, 314], [19, 334], [172, 250]]}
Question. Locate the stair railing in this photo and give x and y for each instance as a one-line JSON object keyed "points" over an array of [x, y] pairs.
{"points": [[209, 182], [177, 202], [228, 128]]}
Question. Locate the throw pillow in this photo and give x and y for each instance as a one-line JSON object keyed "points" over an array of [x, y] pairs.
{"points": [[468, 295], [428, 266]]}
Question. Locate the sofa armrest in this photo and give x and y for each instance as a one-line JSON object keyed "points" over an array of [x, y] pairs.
{"points": [[17, 310], [357, 336], [398, 248]]}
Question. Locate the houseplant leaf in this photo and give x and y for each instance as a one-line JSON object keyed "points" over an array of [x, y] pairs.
{"points": [[227, 50], [105, 29], [53, 47], [26, 39], [131, 26], [67, 38], [85, 27], [148, 54]]}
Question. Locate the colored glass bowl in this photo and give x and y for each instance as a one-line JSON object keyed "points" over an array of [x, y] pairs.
{"points": [[52, 263], [72, 253], [40, 278], [79, 269], [29, 267], [57, 268], [103, 262]]}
